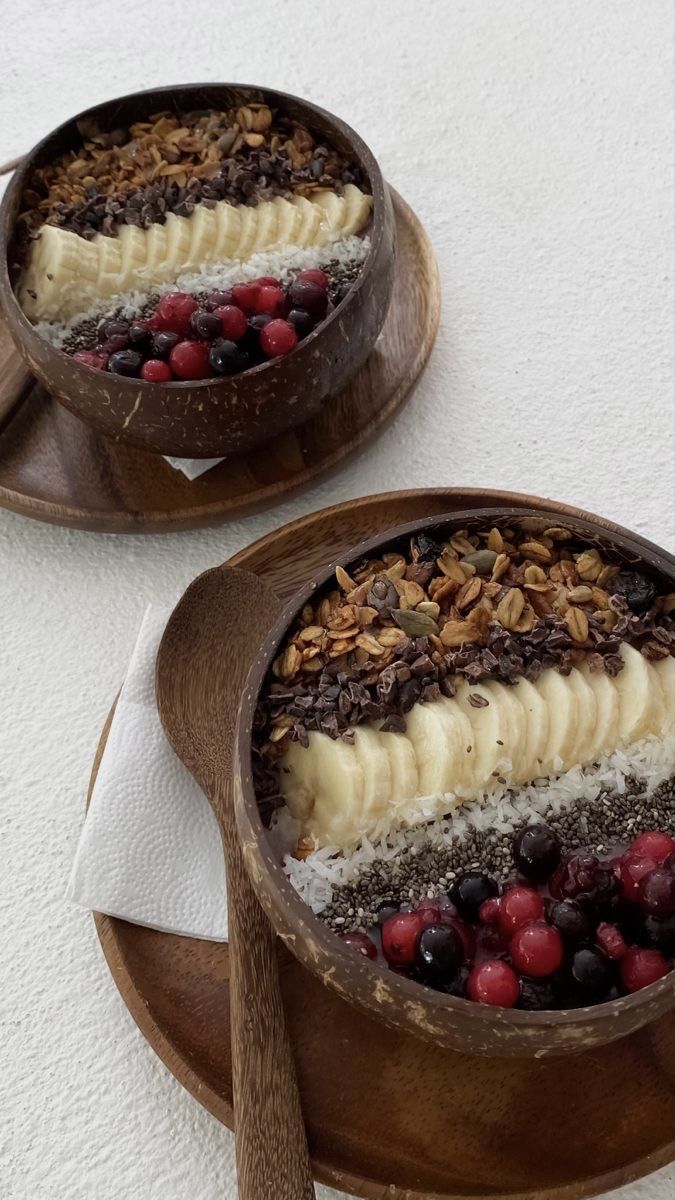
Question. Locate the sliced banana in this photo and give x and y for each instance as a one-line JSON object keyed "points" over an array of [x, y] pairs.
{"points": [[453, 751], [606, 735], [584, 747], [373, 758], [204, 240], [635, 694], [562, 711], [133, 244], [489, 729], [228, 217], [664, 670], [535, 715], [65, 271], [430, 730], [403, 767]]}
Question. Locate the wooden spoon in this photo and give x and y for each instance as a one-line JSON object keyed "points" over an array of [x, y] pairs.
{"points": [[202, 663]]}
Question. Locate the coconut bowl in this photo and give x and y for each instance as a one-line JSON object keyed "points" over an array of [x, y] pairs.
{"points": [[230, 414], [398, 1001]]}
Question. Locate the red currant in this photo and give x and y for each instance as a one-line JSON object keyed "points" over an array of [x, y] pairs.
{"points": [[233, 321], [155, 370], [656, 892], [465, 932], [269, 300], [657, 846], [361, 943], [400, 935], [631, 871], [245, 296], [277, 338], [91, 359], [429, 910], [639, 968], [190, 360], [315, 275], [519, 906], [611, 940], [493, 982], [536, 950], [267, 281], [174, 311], [489, 911]]}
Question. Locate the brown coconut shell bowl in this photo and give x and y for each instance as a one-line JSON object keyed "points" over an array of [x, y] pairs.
{"points": [[400, 1002], [232, 414]]}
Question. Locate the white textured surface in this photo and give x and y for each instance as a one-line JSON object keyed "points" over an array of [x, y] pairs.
{"points": [[534, 138], [150, 850]]}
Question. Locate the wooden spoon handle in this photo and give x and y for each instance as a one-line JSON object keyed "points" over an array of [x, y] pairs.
{"points": [[272, 1157]]}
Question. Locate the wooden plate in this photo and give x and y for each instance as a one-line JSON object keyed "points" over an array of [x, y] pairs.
{"points": [[390, 1117], [55, 468]]}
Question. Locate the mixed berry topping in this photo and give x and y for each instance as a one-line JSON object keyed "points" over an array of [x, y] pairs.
{"points": [[564, 931], [188, 337]]}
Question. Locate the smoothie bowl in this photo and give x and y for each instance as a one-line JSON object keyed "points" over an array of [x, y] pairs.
{"points": [[456, 780], [195, 269]]}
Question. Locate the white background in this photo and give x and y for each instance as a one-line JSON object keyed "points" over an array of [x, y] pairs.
{"points": [[534, 139]]}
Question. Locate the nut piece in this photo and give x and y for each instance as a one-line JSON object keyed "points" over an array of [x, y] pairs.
{"points": [[589, 565], [415, 624], [510, 608], [580, 594], [577, 623], [455, 633], [345, 581]]}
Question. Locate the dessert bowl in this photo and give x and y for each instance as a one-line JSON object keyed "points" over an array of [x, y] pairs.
{"points": [[204, 417], [401, 1001]]}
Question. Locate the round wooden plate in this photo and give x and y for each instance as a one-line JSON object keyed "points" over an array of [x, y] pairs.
{"points": [[390, 1117], [55, 468]]}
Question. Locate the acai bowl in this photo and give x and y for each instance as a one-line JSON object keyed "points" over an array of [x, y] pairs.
{"points": [[462, 816], [194, 269]]}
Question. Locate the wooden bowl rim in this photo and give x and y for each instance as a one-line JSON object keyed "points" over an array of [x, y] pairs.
{"points": [[331, 954], [376, 232]]}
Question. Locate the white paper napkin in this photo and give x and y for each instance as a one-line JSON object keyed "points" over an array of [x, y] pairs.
{"points": [[192, 467], [150, 850]]}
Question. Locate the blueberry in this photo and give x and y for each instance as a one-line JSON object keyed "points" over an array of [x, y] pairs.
{"points": [[309, 297], [205, 325], [536, 852], [660, 934], [116, 341], [110, 327], [342, 291], [251, 339], [227, 358], [536, 995], [139, 336], [427, 549], [386, 909], [164, 341], [440, 953], [125, 362], [638, 591], [470, 890], [457, 985], [656, 892], [218, 299], [592, 973], [302, 321], [571, 920]]}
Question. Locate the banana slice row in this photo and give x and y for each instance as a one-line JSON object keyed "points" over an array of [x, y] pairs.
{"points": [[453, 751], [64, 271]]}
